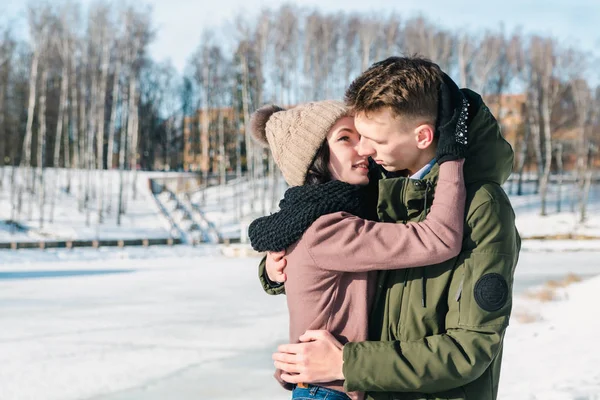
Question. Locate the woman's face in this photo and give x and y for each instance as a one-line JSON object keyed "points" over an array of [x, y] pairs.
{"points": [[344, 162]]}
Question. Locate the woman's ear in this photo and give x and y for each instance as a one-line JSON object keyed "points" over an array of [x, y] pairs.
{"points": [[424, 135]]}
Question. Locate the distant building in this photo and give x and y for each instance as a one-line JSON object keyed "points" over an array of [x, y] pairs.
{"points": [[510, 112], [195, 141]]}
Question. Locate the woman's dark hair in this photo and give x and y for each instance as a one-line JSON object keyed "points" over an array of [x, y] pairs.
{"points": [[318, 172]]}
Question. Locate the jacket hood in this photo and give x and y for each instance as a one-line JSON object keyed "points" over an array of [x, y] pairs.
{"points": [[489, 156]]}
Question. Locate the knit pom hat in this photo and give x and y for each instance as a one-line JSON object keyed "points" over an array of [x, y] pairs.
{"points": [[295, 135]]}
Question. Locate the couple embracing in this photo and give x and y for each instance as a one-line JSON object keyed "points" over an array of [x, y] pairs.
{"points": [[395, 244]]}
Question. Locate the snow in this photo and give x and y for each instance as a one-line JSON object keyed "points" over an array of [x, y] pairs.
{"points": [[531, 224], [229, 209], [187, 322], [233, 206], [554, 354], [142, 219], [155, 320]]}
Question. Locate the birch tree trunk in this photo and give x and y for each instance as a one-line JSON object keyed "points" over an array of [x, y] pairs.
{"points": [[84, 135], [3, 131], [26, 183], [91, 124], [41, 139], [523, 152], [26, 161], [122, 160], [250, 152], [113, 115], [100, 126], [222, 154], [204, 119], [548, 155], [134, 146], [547, 62], [64, 87], [367, 33], [592, 149], [559, 167], [534, 125], [73, 110], [112, 127], [465, 52], [133, 130]]}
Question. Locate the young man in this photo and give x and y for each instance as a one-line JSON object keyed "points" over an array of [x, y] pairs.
{"points": [[435, 332]]}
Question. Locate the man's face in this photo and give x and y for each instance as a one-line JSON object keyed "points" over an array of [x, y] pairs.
{"points": [[395, 144]]}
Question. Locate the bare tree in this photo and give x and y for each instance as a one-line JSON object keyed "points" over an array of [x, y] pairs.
{"points": [[37, 33], [348, 50], [7, 49], [546, 61], [505, 71], [422, 37], [583, 102], [202, 69], [488, 61], [141, 34], [465, 51], [560, 171], [285, 45], [102, 39], [391, 39], [128, 132], [112, 127], [62, 43], [368, 31], [592, 151], [39, 20], [84, 149], [41, 139], [74, 109]]}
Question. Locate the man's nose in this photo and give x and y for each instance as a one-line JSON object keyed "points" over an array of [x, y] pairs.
{"points": [[364, 148]]}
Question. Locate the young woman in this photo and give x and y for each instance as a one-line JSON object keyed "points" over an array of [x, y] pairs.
{"points": [[322, 220]]}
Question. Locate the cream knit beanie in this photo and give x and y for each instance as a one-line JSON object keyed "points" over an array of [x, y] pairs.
{"points": [[295, 135]]}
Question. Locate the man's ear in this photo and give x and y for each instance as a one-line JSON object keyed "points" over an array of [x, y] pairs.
{"points": [[424, 135]]}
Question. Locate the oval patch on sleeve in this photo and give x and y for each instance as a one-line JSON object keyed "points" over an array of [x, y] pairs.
{"points": [[491, 292]]}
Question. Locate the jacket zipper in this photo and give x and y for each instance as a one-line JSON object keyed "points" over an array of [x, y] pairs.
{"points": [[405, 200], [404, 277], [428, 186], [460, 288], [424, 276]]}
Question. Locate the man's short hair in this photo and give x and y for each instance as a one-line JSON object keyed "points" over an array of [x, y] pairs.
{"points": [[407, 85]]}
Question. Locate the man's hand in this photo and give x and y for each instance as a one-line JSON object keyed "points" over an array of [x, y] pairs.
{"points": [[275, 266], [319, 358]]}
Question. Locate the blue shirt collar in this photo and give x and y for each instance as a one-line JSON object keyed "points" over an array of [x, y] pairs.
{"points": [[420, 174]]}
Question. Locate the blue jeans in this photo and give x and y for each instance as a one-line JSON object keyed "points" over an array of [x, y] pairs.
{"points": [[317, 392]]}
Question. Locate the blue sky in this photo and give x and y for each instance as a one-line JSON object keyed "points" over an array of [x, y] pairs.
{"points": [[180, 22]]}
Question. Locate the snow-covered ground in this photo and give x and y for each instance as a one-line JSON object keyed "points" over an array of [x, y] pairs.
{"points": [[186, 323], [141, 220], [550, 348], [531, 224], [181, 319], [233, 206], [229, 208]]}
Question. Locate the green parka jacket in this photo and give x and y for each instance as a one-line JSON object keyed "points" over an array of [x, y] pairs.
{"points": [[436, 332]]}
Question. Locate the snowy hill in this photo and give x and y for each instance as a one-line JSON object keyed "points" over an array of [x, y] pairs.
{"points": [[73, 221]]}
